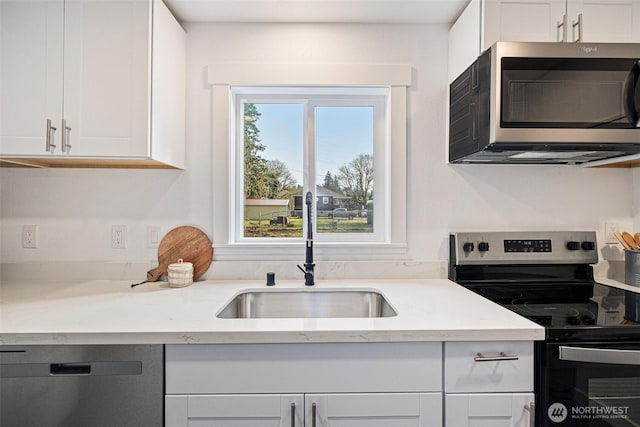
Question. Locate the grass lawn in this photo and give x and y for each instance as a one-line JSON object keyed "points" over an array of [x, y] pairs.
{"points": [[255, 228]]}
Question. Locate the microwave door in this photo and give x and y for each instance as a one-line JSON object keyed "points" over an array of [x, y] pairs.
{"points": [[632, 95]]}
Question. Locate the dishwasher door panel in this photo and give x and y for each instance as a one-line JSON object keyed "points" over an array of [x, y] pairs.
{"points": [[81, 385]]}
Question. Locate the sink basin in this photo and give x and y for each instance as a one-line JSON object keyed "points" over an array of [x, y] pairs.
{"points": [[307, 303]]}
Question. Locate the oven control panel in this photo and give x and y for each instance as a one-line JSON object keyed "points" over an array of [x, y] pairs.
{"points": [[525, 247]]}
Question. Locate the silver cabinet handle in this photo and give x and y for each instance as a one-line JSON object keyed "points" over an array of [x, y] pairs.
{"points": [[562, 25], [600, 355], [481, 358], [313, 414], [293, 414], [65, 136], [578, 24], [49, 144], [531, 407]]}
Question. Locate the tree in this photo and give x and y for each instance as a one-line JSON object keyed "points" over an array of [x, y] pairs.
{"points": [[331, 182], [356, 179], [282, 184], [256, 185]]}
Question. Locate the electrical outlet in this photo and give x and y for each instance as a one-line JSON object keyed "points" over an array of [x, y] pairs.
{"points": [[29, 236], [153, 236], [609, 228], [119, 236]]}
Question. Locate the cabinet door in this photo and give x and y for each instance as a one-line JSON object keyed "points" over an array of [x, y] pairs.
{"points": [[489, 410], [107, 77], [523, 20], [607, 21], [374, 410], [234, 410], [30, 74]]}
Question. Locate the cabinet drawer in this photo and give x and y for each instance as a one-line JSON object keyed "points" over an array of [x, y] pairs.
{"points": [[298, 368], [488, 367]]}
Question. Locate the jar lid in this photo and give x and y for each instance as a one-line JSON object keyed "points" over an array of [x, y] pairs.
{"points": [[181, 265]]}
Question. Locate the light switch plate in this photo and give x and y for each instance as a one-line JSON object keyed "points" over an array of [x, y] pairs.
{"points": [[153, 236]]}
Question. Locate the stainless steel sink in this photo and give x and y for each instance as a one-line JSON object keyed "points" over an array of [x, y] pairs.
{"points": [[307, 303]]}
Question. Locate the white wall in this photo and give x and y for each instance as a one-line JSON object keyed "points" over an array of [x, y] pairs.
{"points": [[76, 208]]}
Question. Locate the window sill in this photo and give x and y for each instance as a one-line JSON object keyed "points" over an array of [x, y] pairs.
{"points": [[323, 251]]}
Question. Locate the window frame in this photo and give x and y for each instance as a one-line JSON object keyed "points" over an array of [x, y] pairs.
{"points": [[310, 98], [221, 76]]}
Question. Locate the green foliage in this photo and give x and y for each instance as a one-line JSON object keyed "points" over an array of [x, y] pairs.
{"points": [[263, 179], [254, 228], [331, 182], [255, 166]]}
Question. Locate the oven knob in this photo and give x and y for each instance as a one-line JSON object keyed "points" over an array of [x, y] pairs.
{"points": [[588, 246], [467, 247], [573, 246], [483, 246]]}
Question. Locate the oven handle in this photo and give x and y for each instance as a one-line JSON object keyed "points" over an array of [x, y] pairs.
{"points": [[600, 355]]}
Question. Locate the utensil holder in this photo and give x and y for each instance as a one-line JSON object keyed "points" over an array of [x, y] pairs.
{"points": [[180, 274], [632, 268]]}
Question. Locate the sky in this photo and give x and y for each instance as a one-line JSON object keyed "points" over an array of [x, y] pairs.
{"points": [[342, 133]]}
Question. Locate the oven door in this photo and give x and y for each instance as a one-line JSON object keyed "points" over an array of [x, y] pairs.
{"points": [[588, 384]]}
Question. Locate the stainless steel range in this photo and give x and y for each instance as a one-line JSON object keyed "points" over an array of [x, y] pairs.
{"points": [[587, 371]]}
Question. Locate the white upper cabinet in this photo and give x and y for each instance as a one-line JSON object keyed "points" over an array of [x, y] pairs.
{"points": [[106, 77], [522, 20], [614, 21], [31, 46], [110, 90], [485, 22]]}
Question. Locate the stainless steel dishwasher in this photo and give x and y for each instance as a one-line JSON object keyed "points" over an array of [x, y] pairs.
{"points": [[82, 385]]}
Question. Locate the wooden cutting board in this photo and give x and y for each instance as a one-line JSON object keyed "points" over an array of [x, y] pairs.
{"points": [[186, 242]]}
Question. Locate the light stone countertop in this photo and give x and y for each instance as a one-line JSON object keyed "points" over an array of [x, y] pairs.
{"points": [[617, 284], [111, 312]]}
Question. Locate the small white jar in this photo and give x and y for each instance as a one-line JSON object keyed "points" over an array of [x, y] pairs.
{"points": [[180, 274]]}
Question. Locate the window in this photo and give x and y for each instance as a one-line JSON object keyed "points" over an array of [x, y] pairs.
{"points": [[329, 141], [233, 83]]}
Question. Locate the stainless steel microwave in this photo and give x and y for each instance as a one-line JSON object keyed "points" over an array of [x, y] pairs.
{"points": [[546, 103]]}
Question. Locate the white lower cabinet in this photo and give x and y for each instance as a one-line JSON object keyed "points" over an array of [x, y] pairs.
{"points": [[243, 410], [489, 410], [489, 384], [312, 410], [373, 410], [411, 384], [304, 385]]}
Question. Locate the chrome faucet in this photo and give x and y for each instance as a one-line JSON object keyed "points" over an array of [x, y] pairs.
{"points": [[308, 264]]}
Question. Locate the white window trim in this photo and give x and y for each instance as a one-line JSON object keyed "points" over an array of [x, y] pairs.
{"points": [[397, 77]]}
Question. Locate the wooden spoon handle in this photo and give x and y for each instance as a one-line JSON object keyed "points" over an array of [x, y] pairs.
{"points": [[637, 237], [630, 240], [615, 233]]}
